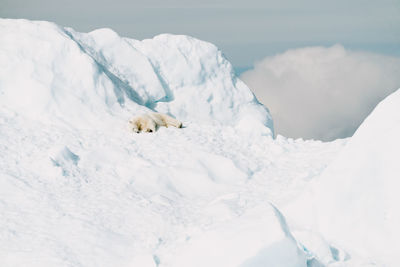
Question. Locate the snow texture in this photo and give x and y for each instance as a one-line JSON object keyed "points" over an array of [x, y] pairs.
{"points": [[89, 80], [354, 203], [78, 189], [366, 192]]}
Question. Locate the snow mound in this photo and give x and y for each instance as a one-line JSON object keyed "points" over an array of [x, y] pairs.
{"points": [[93, 79], [355, 201], [78, 189], [228, 244], [357, 197]]}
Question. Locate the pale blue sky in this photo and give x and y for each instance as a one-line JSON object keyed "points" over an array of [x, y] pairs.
{"points": [[246, 31]]}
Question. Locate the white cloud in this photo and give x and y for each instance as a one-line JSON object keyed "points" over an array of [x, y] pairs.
{"points": [[322, 93]]}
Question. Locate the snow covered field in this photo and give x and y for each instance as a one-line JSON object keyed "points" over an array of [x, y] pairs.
{"points": [[78, 189]]}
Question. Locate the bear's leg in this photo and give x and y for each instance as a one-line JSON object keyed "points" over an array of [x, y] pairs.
{"points": [[150, 126], [169, 121]]}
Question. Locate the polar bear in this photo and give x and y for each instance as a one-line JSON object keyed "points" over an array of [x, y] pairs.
{"points": [[151, 121]]}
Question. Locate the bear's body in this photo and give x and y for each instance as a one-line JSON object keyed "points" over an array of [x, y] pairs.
{"points": [[151, 121]]}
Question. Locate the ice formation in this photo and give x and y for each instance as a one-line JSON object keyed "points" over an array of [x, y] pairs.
{"points": [[77, 188], [88, 79], [354, 204]]}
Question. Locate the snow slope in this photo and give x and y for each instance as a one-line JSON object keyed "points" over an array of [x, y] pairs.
{"points": [[355, 201], [368, 193], [46, 69], [77, 188], [77, 197]]}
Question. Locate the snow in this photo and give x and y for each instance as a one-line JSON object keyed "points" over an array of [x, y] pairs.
{"points": [[353, 204], [47, 69], [355, 201], [77, 188], [228, 243], [78, 197]]}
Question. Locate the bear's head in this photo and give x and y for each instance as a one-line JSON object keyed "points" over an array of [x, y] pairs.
{"points": [[142, 124]]}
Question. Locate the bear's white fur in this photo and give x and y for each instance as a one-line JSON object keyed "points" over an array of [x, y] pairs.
{"points": [[151, 121]]}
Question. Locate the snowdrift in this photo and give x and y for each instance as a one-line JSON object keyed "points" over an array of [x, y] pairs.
{"points": [[246, 240], [96, 78], [357, 198], [355, 201]]}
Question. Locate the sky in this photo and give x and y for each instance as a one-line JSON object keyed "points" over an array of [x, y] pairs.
{"points": [[258, 36], [322, 93], [246, 31]]}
